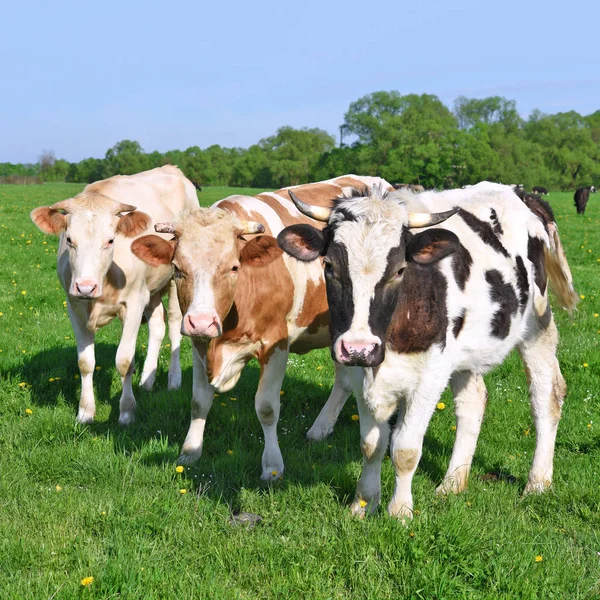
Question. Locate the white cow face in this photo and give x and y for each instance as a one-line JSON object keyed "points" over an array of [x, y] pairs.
{"points": [[88, 228]]}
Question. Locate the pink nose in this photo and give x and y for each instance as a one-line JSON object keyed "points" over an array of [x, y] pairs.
{"points": [[202, 325], [356, 348], [86, 288]]}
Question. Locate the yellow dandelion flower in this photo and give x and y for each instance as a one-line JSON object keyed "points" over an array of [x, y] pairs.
{"points": [[59, 488], [28, 411], [98, 368], [539, 558], [1, 314], [453, 428], [44, 243], [411, 534], [526, 432], [355, 417], [582, 247], [183, 491], [330, 446], [223, 404], [22, 384], [362, 503], [595, 315], [582, 296], [103, 513], [51, 379], [509, 400], [319, 368], [76, 376], [274, 473], [440, 406], [468, 504], [233, 399], [179, 469], [24, 293], [87, 581], [281, 393], [230, 452], [320, 385], [585, 365], [589, 425], [215, 395], [589, 250]]}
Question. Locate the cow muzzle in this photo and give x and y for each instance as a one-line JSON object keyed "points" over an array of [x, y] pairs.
{"points": [[85, 289], [363, 351], [202, 324]]}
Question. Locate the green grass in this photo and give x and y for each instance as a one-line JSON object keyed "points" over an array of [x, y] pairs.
{"points": [[119, 516]]}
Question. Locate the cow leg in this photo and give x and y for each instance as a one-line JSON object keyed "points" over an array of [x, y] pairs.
{"points": [[374, 438], [125, 360], [470, 397], [267, 404], [86, 360], [174, 313], [324, 423], [202, 399], [155, 314], [547, 389], [407, 441]]}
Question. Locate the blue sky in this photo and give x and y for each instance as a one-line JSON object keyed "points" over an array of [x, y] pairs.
{"points": [[79, 76]]}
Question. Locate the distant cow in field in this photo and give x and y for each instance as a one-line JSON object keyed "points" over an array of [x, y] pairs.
{"points": [[538, 189], [243, 298], [419, 307], [408, 186], [104, 280], [582, 196]]}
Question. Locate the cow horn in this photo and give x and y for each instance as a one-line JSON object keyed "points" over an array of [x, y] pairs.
{"points": [[248, 227], [428, 219], [164, 228], [66, 206], [318, 213]]}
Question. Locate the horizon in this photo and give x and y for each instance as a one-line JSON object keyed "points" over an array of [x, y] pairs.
{"points": [[198, 76]]}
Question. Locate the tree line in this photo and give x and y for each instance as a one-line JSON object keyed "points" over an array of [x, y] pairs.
{"points": [[403, 138]]}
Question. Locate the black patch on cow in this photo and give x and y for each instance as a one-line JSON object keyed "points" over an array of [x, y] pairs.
{"points": [[457, 323], [484, 231], [503, 294], [522, 283], [346, 215], [339, 290], [535, 253], [496, 226], [461, 266], [421, 315]]}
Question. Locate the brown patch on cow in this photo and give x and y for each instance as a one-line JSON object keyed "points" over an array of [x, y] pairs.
{"points": [[260, 251], [154, 250], [317, 194], [133, 224], [49, 220], [559, 391], [421, 317], [368, 449], [405, 459], [315, 310]]}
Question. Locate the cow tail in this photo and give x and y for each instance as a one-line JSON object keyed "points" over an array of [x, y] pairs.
{"points": [[559, 273]]}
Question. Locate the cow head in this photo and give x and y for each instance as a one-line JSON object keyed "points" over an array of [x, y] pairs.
{"points": [[593, 189], [88, 225], [367, 246], [207, 251]]}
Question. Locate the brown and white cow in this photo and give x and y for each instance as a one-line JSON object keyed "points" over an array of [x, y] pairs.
{"points": [[419, 307], [104, 280], [244, 298]]}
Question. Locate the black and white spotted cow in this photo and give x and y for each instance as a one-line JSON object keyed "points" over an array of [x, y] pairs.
{"points": [[420, 307], [538, 189]]}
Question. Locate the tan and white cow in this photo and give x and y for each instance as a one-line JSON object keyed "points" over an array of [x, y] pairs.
{"points": [[244, 298], [104, 280]]}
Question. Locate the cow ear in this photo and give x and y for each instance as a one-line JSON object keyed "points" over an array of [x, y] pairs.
{"points": [[431, 245], [260, 251], [49, 220], [153, 250], [303, 242], [133, 223]]}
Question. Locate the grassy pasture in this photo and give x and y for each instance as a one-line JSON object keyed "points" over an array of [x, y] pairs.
{"points": [[103, 502]]}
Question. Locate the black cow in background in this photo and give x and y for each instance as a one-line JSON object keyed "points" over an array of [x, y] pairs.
{"points": [[582, 196], [538, 189]]}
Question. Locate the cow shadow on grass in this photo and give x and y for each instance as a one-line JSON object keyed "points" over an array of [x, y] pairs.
{"points": [[233, 441]]}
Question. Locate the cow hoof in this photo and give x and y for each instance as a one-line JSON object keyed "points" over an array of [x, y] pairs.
{"points": [[361, 508], [536, 487], [401, 512], [449, 486], [147, 381], [318, 433], [85, 418], [174, 381], [189, 458], [126, 418], [272, 474]]}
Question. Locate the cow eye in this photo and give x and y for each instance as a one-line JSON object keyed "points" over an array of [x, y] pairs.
{"points": [[69, 241], [400, 272], [112, 241], [235, 268]]}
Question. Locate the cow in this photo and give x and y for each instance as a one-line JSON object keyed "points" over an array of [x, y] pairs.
{"points": [[582, 196], [243, 298], [104, 280], [540, 190], [417, 307]]}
